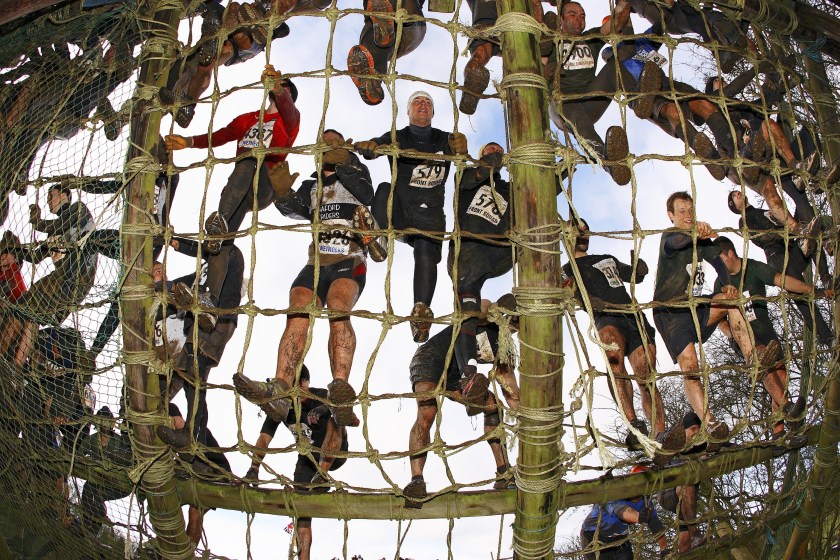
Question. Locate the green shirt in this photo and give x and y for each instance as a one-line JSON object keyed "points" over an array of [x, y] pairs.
{"points": [[116, 452], [675, 273], [752, 280]]}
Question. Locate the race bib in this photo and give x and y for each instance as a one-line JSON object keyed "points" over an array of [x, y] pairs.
{"points": [[698, 278], [484, 206], [175, 335], [335, 242], [610, 272], [485, 349], [580, 57], [252, 137], [428, 175], [749, 310]]}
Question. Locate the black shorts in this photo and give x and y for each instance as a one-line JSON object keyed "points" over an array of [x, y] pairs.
{"points": [[484, 16], [306, 469], [763, 332], [629, 329], [350, 268], [623, 551], [479, 262], [427, 365], [676, 326]]}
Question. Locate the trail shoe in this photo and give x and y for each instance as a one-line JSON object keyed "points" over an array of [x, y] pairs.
{"points": [[319, 484], [718, 433], [111, 121], [211, 23], [632, 440], [185, 113], [179, 440], [474, 387], [421, 322], [706, 153], [268, 395], [828, 176], [183, 296], [769, 356], [476, 80], [361, 69], [415, 492], [253, 475], [383, 27], [363, 221], [616, 150], [806, 234], [215, 225], [809, 166], [794, 411], [342, 395], [672, 440], [248, 14], [650, 81]]}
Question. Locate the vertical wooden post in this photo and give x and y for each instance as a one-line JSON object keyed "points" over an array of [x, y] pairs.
{"points": [[825, 460], [531, 166], [137, 295]]}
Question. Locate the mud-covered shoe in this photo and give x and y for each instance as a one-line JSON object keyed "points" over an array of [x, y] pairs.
{"points": [[769, 356], [342, 396], [807, 233], [215, 225], [616, 150], [706, 153], [672, 440], [268, 395], [826, 178], [421, 322], [650, 82], [415, 492], [111, 122], [632, 440], [183, 296], [253, 475], [361, 69], [179, 440], [184, 115], [505, 481], [794, 411], [473, 388], [206, 319], [383, 27], [319, 484], [363, 220], [248, 14], [718, 434], [476, 80], [211, 23]]}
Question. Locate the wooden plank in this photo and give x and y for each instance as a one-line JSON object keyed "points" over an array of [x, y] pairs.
{"points": [[13, 9]]}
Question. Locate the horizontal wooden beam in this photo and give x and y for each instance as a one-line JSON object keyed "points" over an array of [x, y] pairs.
{"points": [[11, 10]]}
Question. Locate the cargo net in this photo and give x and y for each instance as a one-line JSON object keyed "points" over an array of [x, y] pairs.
{"points": [[396, 225]]}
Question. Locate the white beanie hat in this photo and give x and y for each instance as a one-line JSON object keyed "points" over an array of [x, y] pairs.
{"points": [[415, 95]]}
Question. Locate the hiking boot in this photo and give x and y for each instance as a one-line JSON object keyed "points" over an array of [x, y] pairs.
{"points": [[806, 233], [363, 221], [728, 34], [87, 360], [215, 225], [361, 69], [421, 322], [650, 81], [111, 122], [319, 484], [722, 133], [178, 440], [183, 296], [789, 443], [672, 440], [266, 394], [184, 115], [617, 149], [793, 412], [473, 388], [383, 27], [342, 395], [718, 433], [211, 23], [632, 440], [253, 475], [706, 153], [476, 80], [507, 481], [769, 356], [249, 13], [828, 176], [166, 96], [414, 492]]}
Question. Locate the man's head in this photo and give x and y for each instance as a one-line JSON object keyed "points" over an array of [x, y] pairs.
{"points": [[728, 254], [178, 421], [58, 196], [582, 239], [490, 148], [713, 83], [737, 202], [680, 208], [157, 272], [304, 377], [287, 85], [104, 420], [421, 108], [691, 425], [7, 256], [332, 134], [572, 18]]}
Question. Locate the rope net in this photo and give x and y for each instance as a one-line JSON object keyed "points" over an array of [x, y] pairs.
{"points": [[422, 243]]}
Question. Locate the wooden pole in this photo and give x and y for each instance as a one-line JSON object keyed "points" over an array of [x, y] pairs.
{"points": [[535, 226], [137, 296], [825, 459], [13, 9]]}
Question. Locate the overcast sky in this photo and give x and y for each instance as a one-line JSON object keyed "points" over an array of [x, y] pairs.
{"points": [[275, 258]]}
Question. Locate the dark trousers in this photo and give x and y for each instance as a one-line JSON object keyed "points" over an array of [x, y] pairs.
{"points": [[412, 35], [93, 501]]}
